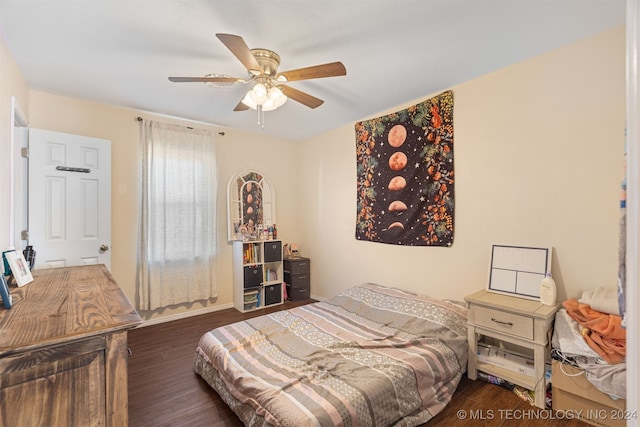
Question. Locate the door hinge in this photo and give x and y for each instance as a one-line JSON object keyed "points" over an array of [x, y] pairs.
{"points": [[24, 235], [24, 152]]}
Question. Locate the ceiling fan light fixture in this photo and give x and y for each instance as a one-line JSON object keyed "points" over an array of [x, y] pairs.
{"points": [[275, 98], [259, 93], [248, 101], [268, 99], [268, 92]]}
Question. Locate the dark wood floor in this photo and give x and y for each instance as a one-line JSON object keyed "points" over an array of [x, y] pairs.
{"points": [[164, 391]]}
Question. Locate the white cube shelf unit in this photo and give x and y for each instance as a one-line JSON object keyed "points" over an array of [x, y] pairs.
{"points": [[257, 274]]}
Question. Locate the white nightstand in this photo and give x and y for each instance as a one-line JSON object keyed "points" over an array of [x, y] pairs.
{"points": [[518, 321]]}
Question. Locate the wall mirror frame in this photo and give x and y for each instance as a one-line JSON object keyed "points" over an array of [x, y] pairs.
{"points": [[251, 201]]}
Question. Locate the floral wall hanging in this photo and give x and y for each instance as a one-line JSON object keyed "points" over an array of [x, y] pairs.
{"points": [[405, 178]]}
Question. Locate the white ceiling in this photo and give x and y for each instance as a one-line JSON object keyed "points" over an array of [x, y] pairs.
{"points": [[121, 52]]}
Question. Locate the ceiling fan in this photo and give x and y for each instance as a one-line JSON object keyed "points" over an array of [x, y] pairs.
{"points": [[269, 90]]}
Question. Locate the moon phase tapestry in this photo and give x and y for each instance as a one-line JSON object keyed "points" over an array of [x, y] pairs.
{"points": [[405, 175]]}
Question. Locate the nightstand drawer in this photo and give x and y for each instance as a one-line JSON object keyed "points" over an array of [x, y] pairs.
{"points": [[508, 323]]}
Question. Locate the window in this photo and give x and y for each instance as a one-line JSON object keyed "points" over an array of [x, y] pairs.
{"points": [[177, 239]]}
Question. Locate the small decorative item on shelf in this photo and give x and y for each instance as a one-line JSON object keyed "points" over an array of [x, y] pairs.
{"points": [[291, 250], [249, 231], [548, 290], [29, 256], [19, 268]]}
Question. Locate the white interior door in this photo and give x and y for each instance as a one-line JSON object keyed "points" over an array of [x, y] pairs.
{"points": [[69, 199], [19, 176]]}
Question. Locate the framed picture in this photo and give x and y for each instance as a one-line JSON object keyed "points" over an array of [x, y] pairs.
{"points": [[4, 292], [518, 270], [19, 268]]}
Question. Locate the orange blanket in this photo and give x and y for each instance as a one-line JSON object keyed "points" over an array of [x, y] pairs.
{"points": [[603, 332]]}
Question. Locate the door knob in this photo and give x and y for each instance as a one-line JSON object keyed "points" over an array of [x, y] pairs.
{"points": [[104, 247]]}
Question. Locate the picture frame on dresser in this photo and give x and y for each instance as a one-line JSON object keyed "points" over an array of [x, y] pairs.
{"points": [[4, 292], [19, 268]]}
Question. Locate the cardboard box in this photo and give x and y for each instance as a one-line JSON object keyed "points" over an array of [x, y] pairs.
{"points": [[572, 391]]}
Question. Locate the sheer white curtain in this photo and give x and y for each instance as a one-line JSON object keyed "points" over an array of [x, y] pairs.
{"points": [[177, 237]]}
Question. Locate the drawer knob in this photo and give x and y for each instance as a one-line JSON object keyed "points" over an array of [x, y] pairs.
{"points": [[493, 319]]}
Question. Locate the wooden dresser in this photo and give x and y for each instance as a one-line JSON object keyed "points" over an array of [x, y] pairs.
{"points": [[63, 350]]}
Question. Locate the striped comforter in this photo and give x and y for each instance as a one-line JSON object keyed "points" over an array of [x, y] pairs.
{"points": [[371, 356]]}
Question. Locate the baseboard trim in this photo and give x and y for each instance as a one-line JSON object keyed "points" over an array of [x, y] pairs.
{"points": [[183, 315], [191, 313]]}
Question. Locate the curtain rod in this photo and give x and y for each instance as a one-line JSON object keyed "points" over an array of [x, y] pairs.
{"points": [[221, 133]]}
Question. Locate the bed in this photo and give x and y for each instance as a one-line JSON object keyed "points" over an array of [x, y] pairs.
{"points": [[372, 355]]}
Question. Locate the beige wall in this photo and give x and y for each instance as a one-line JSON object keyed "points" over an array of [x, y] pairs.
{"points": [[538, 161], [235, 151]]}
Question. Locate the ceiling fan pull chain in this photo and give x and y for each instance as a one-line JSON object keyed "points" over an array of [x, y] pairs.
{"points": [[260, 116]]}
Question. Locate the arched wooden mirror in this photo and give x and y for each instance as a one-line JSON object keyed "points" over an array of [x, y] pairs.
{"points": [[250, 202]]}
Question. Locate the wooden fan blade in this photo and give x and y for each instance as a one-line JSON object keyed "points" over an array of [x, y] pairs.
{"points": [[239, 48], [241, 107], [301, 97], [204, 79], [316, 72]]}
